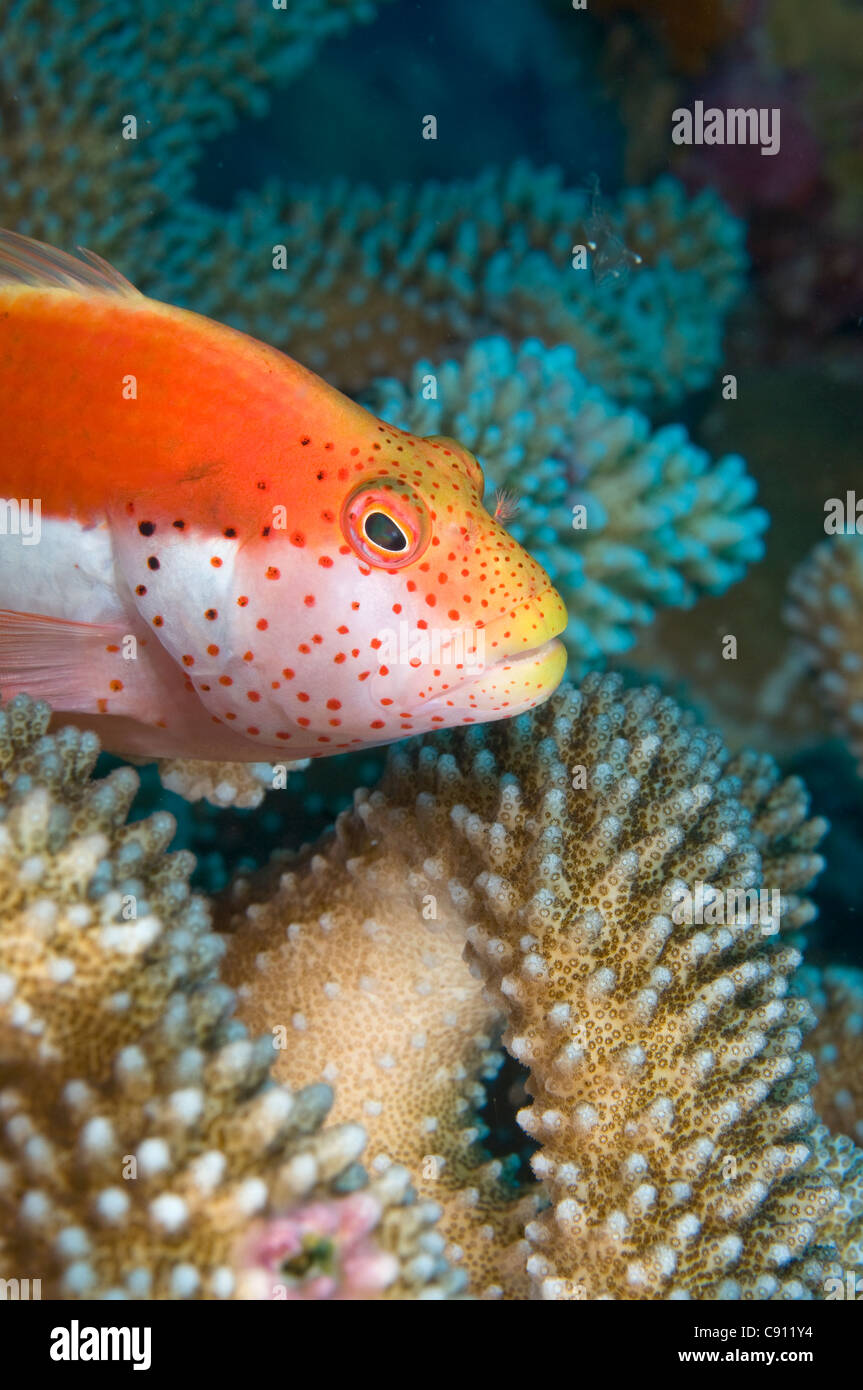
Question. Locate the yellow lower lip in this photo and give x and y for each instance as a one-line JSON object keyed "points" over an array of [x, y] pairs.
{"points": [[511, 684], [541, 669]]}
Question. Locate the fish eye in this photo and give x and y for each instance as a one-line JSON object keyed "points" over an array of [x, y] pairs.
{"points": [[386, 523], [383, 530]]}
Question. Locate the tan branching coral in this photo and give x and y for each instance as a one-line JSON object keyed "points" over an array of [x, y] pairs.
{"points": [[825, 608], [669, 1091], [842, 1161], [353, 960], [145, 1150], [836, 995], [224, 784]]}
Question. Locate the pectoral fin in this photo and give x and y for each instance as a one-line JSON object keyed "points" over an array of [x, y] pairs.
{"points": [[71, 665]]}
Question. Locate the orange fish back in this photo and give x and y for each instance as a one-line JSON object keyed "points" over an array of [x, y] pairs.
{"points": [[105, 393]]}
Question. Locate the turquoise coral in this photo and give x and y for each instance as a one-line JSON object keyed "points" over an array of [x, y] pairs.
{"points": [[369, 280], [70, 75]]}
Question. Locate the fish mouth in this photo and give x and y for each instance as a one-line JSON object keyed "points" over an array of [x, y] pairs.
{"points": [[519, 678], [509, 685]]}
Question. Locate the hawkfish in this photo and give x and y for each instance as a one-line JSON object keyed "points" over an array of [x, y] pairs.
{"points": [[234, 561]]}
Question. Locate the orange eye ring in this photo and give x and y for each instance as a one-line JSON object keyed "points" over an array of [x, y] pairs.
{"points": [[386, 523]]}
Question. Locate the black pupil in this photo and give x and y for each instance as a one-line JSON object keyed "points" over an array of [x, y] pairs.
{"points": [[382, 531]]}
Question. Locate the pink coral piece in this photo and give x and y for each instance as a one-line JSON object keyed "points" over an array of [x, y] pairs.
{"points": [[348, 1265]]}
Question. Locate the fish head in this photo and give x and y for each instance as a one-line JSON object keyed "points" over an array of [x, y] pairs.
{"points": [[408, 606], [375, 597], [466, 622]]}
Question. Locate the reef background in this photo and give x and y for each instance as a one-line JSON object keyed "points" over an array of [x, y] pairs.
{"points": [[554, 125]]}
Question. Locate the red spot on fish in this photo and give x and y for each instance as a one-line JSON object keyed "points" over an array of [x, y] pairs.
{"points": [[242, 601], [309, 600], [213, 650], [262, 624], [325, 562], [215, 561], [273, 573]]}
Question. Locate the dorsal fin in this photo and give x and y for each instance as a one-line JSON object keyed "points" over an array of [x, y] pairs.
{"points": [[24, 261]]}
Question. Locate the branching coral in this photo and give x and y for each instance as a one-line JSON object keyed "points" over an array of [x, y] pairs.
{"points": [[669, 1091], [145, 1150], [826, 609], [72, 75], [657, 522], [836, 995], [369, 280]]}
